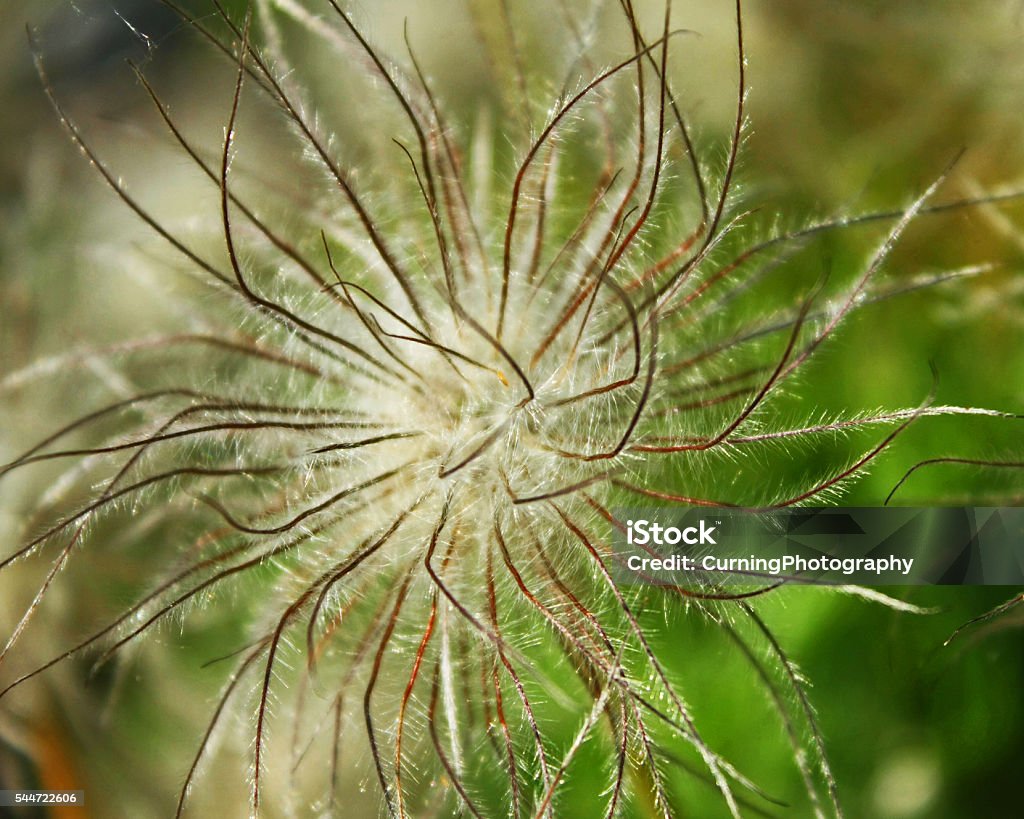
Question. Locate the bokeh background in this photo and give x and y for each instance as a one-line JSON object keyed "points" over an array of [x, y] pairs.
{"points": [[853, 107]]}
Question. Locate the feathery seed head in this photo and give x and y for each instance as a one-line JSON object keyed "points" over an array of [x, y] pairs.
{"points": [[390, 436]]}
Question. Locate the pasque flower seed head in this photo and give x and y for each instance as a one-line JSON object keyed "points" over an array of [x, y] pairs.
{"points": [[429, 358]]}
